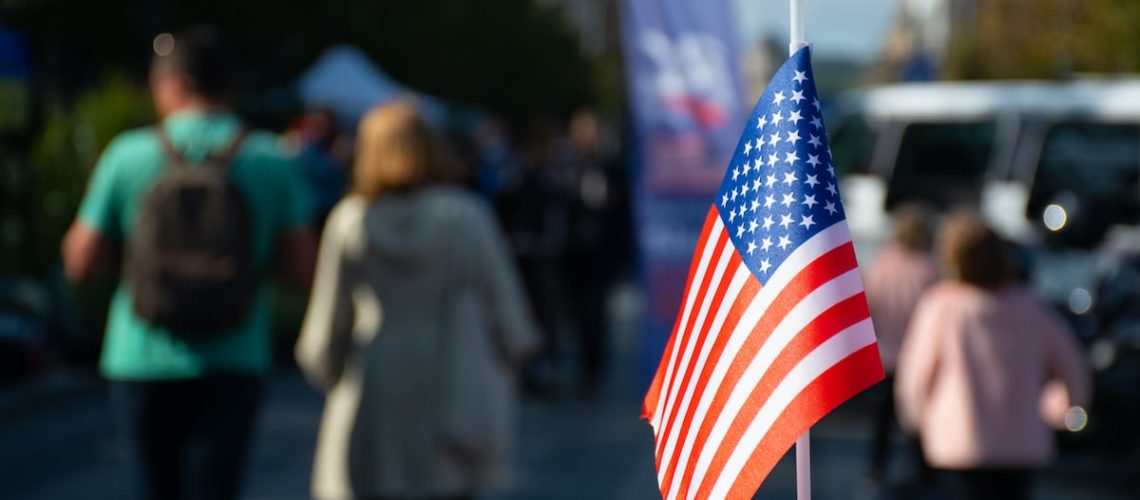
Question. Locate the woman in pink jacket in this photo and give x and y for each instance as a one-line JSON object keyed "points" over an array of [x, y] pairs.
{"points": [[974, 368]]}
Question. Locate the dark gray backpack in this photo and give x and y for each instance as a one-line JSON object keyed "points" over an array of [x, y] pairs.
{"points": [[190, 259]]}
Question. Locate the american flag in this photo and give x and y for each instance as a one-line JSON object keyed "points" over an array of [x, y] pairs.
{"points": [[773, 331]]}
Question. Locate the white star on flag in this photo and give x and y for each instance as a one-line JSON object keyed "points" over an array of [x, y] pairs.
{"points": [[789, 198], [805, 221], [809, 201]]}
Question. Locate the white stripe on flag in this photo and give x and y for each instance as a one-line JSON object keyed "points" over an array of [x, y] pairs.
{"points": [[819, 300], [731, 293], [806, 310], [823, 242], [827, 355], [692, 333], [702, 265]]}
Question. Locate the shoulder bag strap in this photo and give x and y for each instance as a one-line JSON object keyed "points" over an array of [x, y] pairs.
{"points": [[220, 159], [172, 155], [225, 156]]}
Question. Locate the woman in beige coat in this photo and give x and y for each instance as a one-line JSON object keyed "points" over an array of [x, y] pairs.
{"points": [[376, 331]]}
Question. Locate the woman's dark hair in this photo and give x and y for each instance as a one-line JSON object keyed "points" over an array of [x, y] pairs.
{"points": [[200, 54], [974, 254]]}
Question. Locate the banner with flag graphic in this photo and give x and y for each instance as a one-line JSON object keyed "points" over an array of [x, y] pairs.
{"points": [[773, 331], [684, 91]]}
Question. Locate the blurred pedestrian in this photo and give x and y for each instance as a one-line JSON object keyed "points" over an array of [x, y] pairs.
{"points": [[533, 208], [206, 212], [325, 153], [597, 239], [409, 270], [494, 159], [974, 366], [896, 278]]}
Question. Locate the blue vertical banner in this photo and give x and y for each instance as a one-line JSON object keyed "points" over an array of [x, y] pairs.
{"points": [[14, 74], [685, 92]]}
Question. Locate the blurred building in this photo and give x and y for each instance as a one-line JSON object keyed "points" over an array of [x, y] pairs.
{"points": [[920, 38], [760, 61]]}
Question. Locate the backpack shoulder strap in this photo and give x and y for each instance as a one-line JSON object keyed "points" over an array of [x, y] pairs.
{"points": [[225, 156], [172, 155]]}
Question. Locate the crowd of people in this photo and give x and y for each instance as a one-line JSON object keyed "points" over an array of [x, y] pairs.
{"points": [[437, 286], [436, 291]]}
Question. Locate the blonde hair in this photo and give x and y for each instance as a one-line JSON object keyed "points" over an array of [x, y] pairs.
{"points": [[974, 254], [396, 151]]}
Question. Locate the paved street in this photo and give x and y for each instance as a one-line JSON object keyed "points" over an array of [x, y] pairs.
{"points": [[57, 442], [62, 445]]}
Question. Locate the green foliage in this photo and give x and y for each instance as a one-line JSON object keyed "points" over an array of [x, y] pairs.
{"points": [[65, 152], [1047, 39], [1106, 38], [513, 57]]}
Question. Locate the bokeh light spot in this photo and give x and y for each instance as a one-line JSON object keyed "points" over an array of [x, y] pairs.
{"points": [[1080, 301], [163, 44], [1055, 217], [1076, 419]]}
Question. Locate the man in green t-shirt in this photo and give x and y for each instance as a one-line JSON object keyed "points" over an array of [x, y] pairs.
{"points": [[189, 403]]}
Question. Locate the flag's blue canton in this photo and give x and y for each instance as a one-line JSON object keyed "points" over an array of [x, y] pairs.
{"points": [[780, 188]]}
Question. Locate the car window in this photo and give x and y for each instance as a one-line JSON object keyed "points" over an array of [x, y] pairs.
{"points": [[1096, 164], [942, 164], [852, 143]]}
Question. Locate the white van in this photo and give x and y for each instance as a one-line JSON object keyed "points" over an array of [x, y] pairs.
{"points": [[1011, 150]]}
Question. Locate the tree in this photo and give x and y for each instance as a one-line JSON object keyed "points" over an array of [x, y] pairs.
{"points": [[513, 57], [1046, 39]]}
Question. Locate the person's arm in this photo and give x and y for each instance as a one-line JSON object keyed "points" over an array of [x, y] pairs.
{"points": [[88, 247], [296, 258], [295, 247], [918, 362], [514, 323], [86, 253], [326, 331], [1070, 383]]}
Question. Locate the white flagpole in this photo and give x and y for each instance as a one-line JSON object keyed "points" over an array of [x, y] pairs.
{"points": [[803, 467], [797, 27], [803, 444]]}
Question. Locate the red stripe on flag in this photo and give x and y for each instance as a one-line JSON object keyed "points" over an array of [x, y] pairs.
{"points": [[686, 333], [825, 393], [824, 268], [832, 321], [747, 295], [734, 263], [651, 397]]}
